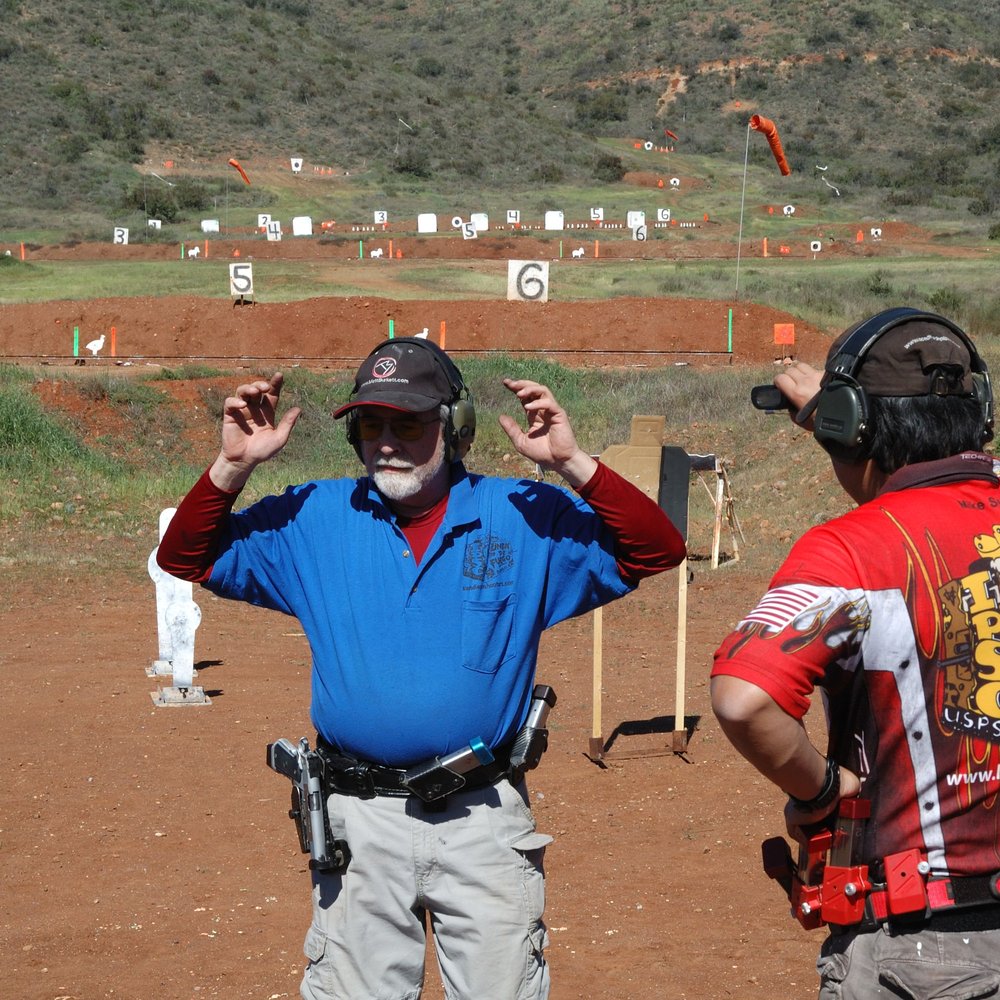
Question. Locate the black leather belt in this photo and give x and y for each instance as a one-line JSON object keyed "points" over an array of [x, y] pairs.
{"points": [[349, 776]]}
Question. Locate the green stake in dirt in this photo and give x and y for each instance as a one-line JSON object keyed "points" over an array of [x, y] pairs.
{"points": [[392, 329], [182, 251], [361, 249], [76, 342]]}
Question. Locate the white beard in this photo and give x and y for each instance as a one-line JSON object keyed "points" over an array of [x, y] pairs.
{"points": [[401, 485]]}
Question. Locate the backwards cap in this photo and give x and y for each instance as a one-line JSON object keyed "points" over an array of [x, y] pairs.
{"points": [[922, 356]]}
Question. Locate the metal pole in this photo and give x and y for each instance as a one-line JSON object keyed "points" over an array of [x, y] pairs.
{"points": [[739, 243]]}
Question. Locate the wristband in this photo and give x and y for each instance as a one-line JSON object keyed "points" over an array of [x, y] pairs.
{"points": [[827, 794]]}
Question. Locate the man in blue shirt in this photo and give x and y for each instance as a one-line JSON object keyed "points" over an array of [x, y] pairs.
{"points": [[423, 591]]}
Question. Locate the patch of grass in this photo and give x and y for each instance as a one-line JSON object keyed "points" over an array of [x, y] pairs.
{"points": [[187, 372]]}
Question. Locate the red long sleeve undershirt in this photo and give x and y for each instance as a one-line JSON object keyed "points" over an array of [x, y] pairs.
{"points": [[645, 541]]}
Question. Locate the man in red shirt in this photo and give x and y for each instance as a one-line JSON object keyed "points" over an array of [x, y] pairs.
{"points": [[893, 612]]}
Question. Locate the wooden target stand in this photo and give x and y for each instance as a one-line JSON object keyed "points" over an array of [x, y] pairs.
{"points": [[662, 472]]}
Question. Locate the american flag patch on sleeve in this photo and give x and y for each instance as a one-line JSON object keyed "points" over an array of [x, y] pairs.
{"points": [[782, 605]]}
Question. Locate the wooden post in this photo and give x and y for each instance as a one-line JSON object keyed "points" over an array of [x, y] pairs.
{"points": [[717, 530], [680, 727], [596, 739]]}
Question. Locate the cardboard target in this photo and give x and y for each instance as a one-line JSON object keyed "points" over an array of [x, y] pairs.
{"points": [[528, 280]]}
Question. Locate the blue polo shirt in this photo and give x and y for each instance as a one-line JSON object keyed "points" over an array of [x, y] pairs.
{"points": [[412, 661]]}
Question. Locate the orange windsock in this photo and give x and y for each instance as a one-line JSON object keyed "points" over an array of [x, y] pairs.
{"points": [[761, 124], [672, 135], [243, 173]]}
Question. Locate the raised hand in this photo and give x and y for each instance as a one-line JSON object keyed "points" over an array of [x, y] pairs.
{"points": [[799, 383], [251, 432], [548, 439]]}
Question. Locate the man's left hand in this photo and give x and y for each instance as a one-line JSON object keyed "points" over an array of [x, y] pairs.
{"points": [[549, 440]]}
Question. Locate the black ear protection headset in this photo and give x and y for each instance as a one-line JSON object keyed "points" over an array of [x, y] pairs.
{"points": [[841, 420], [460, 424]]}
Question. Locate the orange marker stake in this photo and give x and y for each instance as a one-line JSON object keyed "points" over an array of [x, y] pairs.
{"points": [[442, 335]]}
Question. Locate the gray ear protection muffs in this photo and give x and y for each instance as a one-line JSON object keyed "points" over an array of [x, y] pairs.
{"points": [[460, 425], [841, 416]]}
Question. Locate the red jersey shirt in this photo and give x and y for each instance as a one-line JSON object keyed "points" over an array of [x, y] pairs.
{"points": [[893, 611]]}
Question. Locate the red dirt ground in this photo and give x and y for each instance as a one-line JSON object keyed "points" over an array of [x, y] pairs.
{"points": [[146, 852]]}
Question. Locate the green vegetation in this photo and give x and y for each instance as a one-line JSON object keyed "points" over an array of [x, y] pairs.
{"points": [[900, 106]]}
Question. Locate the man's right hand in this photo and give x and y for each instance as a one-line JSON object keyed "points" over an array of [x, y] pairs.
{"points": [[250, 432]]}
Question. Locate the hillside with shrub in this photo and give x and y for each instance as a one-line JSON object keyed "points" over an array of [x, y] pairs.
{"points": [[898, 101]]}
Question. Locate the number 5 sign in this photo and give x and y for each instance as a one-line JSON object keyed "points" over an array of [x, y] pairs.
{"points": [[241, 280]]}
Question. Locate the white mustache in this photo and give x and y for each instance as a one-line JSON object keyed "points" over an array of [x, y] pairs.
{"points": [[393, 464]]}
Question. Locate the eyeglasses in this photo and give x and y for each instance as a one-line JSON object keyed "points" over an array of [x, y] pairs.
{"points": [[404, 427]]}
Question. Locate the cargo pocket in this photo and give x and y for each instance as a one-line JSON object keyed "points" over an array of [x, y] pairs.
{"points": [[317, 980], [833, 964], [932, 966], [933, 981]]}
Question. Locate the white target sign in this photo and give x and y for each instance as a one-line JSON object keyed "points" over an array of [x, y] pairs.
{"points": [[241, 279], [120, 236], [528, 280]]}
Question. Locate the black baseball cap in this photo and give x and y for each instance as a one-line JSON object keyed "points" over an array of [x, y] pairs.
{"points": [[405, 373]]}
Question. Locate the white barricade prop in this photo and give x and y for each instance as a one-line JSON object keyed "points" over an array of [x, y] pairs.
{"points": [[177, 618]]}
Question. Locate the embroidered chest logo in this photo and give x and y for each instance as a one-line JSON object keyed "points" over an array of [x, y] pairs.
{"points": [[487, 560]]}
